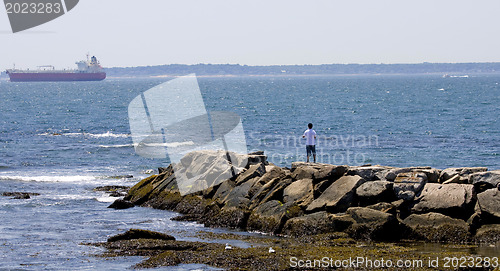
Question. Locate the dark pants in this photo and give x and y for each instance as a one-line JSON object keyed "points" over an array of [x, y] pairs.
{"points": [[310, 149]]}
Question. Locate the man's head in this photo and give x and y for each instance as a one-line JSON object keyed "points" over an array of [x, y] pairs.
{"points": [[310, 125]]}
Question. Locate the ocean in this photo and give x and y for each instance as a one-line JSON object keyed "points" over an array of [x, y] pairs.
{"points": [[62, 139]]}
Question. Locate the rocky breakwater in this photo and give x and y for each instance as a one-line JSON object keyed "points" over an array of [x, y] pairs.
{"points": [[367, 202]]}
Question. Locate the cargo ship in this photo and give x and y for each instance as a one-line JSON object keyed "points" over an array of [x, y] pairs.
{"points": [[89, 70]]}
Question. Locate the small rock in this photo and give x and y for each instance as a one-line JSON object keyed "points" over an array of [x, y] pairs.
{"points": [[140, 234], [121, 204]]}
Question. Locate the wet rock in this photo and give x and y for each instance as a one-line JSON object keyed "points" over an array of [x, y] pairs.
{"points": [[120, 204], [373, 192], [409, 184], [463, 172], [488, 234], [112, 188], [228, 217], [19, 195], [317, 223], [337, 197], [316, 171], [436, 227], [488, 203], [271, 216], [485, 180], [455, 200], [140, 234], [373, 225]]}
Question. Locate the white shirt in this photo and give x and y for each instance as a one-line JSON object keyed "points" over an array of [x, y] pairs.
{"points": [[310, 134]]}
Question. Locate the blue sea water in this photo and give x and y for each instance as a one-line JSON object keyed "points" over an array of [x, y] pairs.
{"points": [[63, 139]]}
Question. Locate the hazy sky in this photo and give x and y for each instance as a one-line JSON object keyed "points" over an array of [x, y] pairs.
{"points": [[153, 32]]}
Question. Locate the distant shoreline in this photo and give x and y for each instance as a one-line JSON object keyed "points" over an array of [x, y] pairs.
{"points": [[237, 70]]}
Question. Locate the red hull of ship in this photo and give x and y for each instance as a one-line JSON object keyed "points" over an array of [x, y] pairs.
{"points": [[51, 77]]}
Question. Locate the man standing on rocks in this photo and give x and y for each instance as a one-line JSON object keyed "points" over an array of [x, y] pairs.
{"points": [[310, 136]]}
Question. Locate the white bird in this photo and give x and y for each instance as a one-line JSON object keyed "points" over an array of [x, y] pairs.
{"points": [[271, 250], [228, 247]]}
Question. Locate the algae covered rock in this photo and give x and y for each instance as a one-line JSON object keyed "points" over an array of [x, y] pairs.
{"points": [[488, 234], [436, 227], [317, 223], [373, 224], [140, 234]]}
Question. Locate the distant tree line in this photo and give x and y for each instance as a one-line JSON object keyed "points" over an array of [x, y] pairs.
{"points": [[236, 69], [325, 69]]}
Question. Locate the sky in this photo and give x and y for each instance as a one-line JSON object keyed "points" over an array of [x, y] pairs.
{"points": [[124, 33]]}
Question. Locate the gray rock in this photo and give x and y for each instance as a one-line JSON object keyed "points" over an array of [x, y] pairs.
{"points": [[485, 180], [243, 191], [455, 200], [369, 173], [431, 173], [317, 223], [337, 197], [436, 227], [316, 171], [409, 184], [488, 203], [376, 191], [373, 224], [298, 191], [463, 172], [252, 172]]}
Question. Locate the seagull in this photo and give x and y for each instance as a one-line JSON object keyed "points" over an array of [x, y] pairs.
{"points": [[271, 250], [228, 247]]}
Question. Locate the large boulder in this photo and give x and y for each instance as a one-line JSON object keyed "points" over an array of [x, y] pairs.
{"points": [[436, 227], [373, 224], [488, 234], [374, 192], [485, 180], [431, 173], [316, 223], [243, 191], [316, 171], [271, 216], [299, 192], [338, 196], [252, 172], [408, 185], [462, 172], [488, 204], [369, 173], [455, 200]]}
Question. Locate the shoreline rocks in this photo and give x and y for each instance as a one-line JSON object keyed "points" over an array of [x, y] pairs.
{"points": [[367, 202]]}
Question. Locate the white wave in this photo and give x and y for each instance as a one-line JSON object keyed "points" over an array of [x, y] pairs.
{"points": [[53, 179], [170, 145], [106, 199], [116, 146], [107, 134]]}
